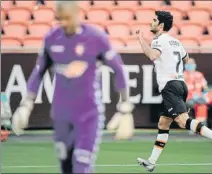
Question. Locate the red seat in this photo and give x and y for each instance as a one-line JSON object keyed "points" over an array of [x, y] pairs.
{"points": [[19, 14], [118, 29], [132, 42], [44, 14], [27, 4], [98, 14], [38, 29], [209, 28], [50, 4], [3, 15], [203, 4], [31, 41], [117, 42], [129, 4], [83, 13], [189, 29], [6, 5], [206, 44], [84, 4], [104, 4], [145, 15], [191, 44], [182, 5], [156, 5], [7, 41], [144, 27], [199, 15], [122, 14], [15, 29], [177, 13], [174, 31], [98, 25]]}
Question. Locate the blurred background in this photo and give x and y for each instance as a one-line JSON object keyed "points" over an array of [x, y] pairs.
{"points": [[23, 26]]}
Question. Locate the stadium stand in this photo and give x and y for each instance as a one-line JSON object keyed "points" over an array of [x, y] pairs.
{"points": [[119, 19]]}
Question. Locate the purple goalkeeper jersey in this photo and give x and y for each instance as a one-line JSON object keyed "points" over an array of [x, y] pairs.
{"points": [[76, 96]]}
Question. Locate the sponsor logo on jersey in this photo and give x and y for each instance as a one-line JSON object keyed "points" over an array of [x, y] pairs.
{"points": [[80, 49]]}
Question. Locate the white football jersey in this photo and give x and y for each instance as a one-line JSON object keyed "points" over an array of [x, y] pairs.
{"points": [[170, 64]]}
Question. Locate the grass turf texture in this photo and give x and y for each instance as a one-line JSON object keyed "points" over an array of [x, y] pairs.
{"points": [[179, 156]]}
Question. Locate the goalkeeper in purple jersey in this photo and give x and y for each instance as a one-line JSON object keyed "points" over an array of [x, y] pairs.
{"points": [[75, 52]]}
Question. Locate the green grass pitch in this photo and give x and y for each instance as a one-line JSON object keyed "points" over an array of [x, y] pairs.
{"points": [[179, 156]]}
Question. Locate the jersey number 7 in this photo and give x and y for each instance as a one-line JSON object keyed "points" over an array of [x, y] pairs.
{"points": [[176, 53]]}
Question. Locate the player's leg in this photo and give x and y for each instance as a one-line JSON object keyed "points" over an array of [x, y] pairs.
{"points": [[194, 125], [88, 138], [183, 119], [161, 140], [64, 144]]}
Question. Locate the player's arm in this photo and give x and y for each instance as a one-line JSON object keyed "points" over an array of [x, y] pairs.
{"points": [[44, 62], [152, 53], [21, 116], [184, 54]]}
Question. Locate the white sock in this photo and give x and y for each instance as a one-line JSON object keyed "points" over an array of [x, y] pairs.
{"points": [[160, 143], [200, 128]]}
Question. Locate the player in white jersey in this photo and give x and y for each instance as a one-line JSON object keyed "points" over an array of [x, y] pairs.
{"points": [[168, 55]]}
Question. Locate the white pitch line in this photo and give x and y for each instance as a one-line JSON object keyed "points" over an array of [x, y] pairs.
{"points": [[115, 165]]}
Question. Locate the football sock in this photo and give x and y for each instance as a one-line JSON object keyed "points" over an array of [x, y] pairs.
{"points": [[160, 143], [66, 165], [198, 127]]}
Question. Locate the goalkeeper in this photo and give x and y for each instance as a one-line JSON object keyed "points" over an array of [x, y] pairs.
{"points": [[75, 52]]}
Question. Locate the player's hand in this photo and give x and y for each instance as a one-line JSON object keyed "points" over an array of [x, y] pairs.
{"points": [[122, 121], [139, 34], [21, 116]]}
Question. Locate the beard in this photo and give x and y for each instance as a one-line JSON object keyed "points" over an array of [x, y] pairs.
{"points": [[153, 31]]}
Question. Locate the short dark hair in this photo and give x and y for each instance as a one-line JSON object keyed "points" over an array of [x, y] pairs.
{"points": [[166, 18]]}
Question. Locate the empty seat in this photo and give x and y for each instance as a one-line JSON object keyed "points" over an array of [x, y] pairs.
{"points": [[132, 42], [182, 5], [145, 14], [104, 4], [152, 4], [98, 25], [191, 29], [98, 14], [3, 15], [38, 29], [129, 4], [84, 4], [7, 41], [206, 44], [199, 15], [177, 13], [174, 31], [15, 29], [31, 41], [50, 4], [6, 4], [27, 4], [203, 4], [19, 14], [44, 14], [82, 13], [144, 27], [190, 43], [117, 42], [118, 29], [209, 28], [122, 14]]}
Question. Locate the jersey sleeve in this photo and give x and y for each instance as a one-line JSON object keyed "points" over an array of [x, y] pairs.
{"points": [[156, 44], [183, 52], [43, 63], [112, 59]]}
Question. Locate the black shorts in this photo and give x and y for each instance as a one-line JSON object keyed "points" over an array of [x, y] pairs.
{"points": [[174, 96]]}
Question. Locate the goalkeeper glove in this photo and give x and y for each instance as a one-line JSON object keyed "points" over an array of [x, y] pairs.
{"points": [[122, 121], [21, 116]]}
